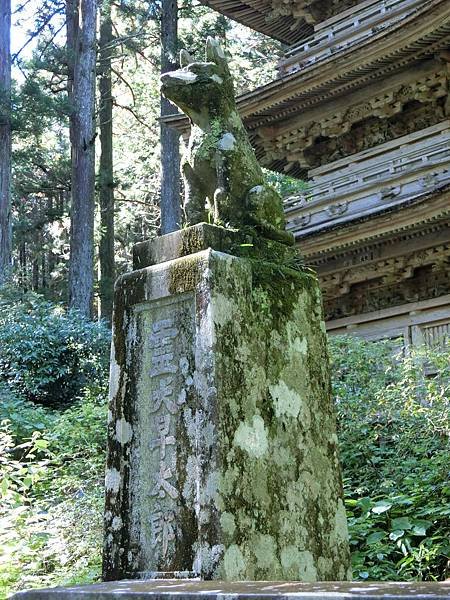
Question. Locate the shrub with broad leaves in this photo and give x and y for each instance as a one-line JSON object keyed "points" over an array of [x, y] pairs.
{"points": [[394, 430], [47, 354]]}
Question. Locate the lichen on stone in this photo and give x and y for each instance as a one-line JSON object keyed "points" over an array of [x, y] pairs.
{"points": [[256, 465], [252, 438]]}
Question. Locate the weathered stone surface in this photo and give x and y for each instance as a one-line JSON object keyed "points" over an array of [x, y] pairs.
{"points": [[184, 242], [244, 242], [222, 446], [243, 590]]}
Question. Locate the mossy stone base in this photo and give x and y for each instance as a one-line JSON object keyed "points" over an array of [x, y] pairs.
{"points": [[222, 456], [190, 240]]}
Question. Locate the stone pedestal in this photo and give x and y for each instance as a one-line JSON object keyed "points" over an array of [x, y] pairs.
{"points": [[222, 445], [242, 590]]}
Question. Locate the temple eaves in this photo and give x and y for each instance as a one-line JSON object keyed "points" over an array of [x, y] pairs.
{"points": [[361, 109], [287, 21], [283, 113], [284, 28]]}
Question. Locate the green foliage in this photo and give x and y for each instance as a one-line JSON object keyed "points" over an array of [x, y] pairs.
{"points": [[48, 355], [51, 461], [24, 418], [78, 438], [21, 466], [286, 185], [51, 499], [31, 100], [393, 414]]}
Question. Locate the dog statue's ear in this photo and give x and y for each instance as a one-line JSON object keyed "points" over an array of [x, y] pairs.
{"points": [[185, 58], [214, 53]]}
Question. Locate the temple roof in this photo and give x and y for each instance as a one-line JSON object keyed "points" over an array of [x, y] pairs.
{"points": [[286, 20], [280, 109], [256, 15], [369, 183], [425, 210], [399, 255]]}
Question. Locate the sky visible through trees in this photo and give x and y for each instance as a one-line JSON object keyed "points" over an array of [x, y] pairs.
{"points": [[43, 183]]}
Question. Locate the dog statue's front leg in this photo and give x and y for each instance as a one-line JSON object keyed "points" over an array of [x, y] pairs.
{"points": [[265, 213], [220, 193], [194, 197]]}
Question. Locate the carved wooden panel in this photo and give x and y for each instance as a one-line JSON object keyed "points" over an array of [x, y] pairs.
{"points": [[378, 294], [436, 335]]}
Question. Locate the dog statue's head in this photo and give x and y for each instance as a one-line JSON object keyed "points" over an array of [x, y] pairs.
{"points": [[202, 90]]}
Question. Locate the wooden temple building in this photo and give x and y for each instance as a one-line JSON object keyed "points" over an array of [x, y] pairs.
{"points": [[361, 110]]}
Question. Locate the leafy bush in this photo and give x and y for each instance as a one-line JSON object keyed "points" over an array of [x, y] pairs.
{"points": [[24, 417], [51, 498], [286, 185], [20, 466], [51, 460], [48, 355], [394, 433], [78, 440]]}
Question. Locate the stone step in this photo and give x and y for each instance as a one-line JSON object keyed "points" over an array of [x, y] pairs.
{"points": [[176, 589]]}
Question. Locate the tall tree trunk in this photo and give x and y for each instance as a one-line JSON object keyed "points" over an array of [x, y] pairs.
{"points": [[170, 145], [35, 275], [23, 265], [5, 141], [82, 135], [72, 23], [43, 272], [106, 175], [50, 256]]}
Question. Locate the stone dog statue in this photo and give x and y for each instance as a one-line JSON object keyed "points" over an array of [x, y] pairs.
{"points": [[224, 183]]}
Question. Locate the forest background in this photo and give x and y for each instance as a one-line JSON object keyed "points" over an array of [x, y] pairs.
{"points": [[76, 218], [56, 280]]}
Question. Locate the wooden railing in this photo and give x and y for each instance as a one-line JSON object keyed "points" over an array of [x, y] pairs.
{"points": [[345, 29], [371, 181]]}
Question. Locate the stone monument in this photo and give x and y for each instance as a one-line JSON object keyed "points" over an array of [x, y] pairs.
{"points": [[222, 458]]}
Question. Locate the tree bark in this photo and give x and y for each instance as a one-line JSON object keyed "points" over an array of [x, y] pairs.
{"points": [[23, 265], [170, 145], [82, 135], [106, 168], [5, 141], [72, 23]]}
